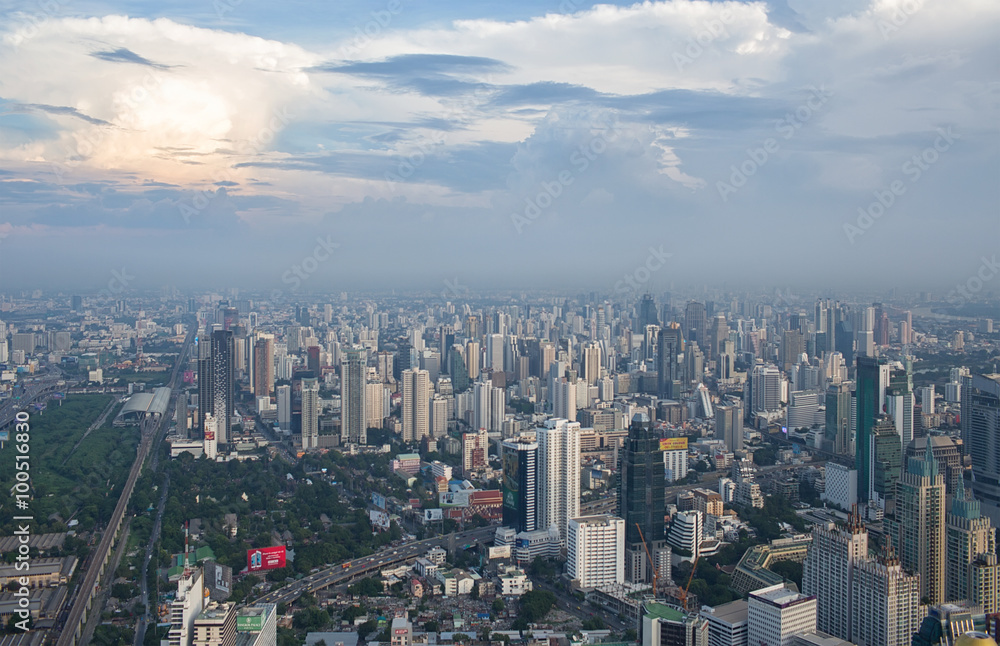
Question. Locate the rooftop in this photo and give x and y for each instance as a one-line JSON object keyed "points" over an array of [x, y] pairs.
{"points": [[731, 613]]}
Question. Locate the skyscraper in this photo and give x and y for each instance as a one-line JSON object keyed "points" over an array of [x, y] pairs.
{"points": [[886, 602], [558, 474], [310, 413], [284, 402], [729, 425], [887, 460], [838, 419], [981, 438], [415, 401], [457, 370], [828, 573], [353, 378], [647, 312], [669, 345], [641, 497], [520, 484], [971, 553], [494, 352], [776, 614], [223, 382], [263, 365], [695, 324], [869, 393], [920, 507], [204, 380], [472, 359], [590, 361], [765, 388], [595, 547]]}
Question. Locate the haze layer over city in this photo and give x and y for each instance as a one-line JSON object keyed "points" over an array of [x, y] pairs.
{"points": [[404, 323]]}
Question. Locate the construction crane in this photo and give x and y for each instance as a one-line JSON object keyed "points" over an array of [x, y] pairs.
{"points": [[648, 556], [684, 592]]}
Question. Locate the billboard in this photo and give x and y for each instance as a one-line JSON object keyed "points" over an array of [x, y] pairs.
{"points": [[267, 558], [432, 515], [454, 499], [378, 500], [498, 552], [249, 623], [674, 444], [379, 519], [511, 469], [189, 376]]}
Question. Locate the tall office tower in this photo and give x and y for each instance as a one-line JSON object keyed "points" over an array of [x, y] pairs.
{"points": [[312, 360], [415, 401], [263, 365], [353, 382], [558, 474], [647, 312], [475, 451], [792, 347], [668, 376], [776, 614], [595, 550], [564, 399], [718, 334], [899, 402], [520, 484], [920, 507], [481, 404], [824, 337], [4, 350], [472, 359], [641, 497], [981, 438], [498, 408], [310, 413], [204, 380], [186, 606], [284, 397], [457, 370], [209, 444], [927, 399], [650, 334], [494, 352], [694, 363], [687, 529], [471, 327], [828, 573], [869, 395], [546, 355], [385, 366], [695, 324], [971, 557], [881, 326], [725, 365], [838, 419], [887, 460], [439, 416], [844, 341], [375, 403], [765, 388], [729, 425], [591, 363], [886, 602], [223, 383]]}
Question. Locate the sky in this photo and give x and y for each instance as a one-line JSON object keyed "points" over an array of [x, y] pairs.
{"points": [[300, 147]]}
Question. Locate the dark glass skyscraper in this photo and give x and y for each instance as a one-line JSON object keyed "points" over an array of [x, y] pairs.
{"points": [[457, 370], [868, 393], [647, 312], [223, 382], [668, 370], [641, 494], [695, 323], [520, 484]]}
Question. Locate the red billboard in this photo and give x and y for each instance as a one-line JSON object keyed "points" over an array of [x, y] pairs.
{"points": [[266, 558]]}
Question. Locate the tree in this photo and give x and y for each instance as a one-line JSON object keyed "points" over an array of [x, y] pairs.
{"points": [[498, 605], [461, 638], [431, 626], [594, 623], [367, 587], [534, 605]]}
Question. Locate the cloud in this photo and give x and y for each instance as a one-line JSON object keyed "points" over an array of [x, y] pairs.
{"points": [[125, 55]]}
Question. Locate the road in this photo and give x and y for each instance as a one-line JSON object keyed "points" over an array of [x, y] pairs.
{"points": [[143, 623], [386, 558], [150, 430], [41, 388], [571, 605]]}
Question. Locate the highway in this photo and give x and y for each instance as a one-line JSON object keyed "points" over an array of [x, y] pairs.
{"points": [[40, 388], [366, 565]]}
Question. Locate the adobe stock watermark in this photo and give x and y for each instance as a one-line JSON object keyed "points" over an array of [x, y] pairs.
{"points": [[899, 17], [118, 283], [47, 9], [580, 159], [280, 118], [454, 289], [634, 280], [786, 127], [964, 292], [301, 271], [885, 198], [711, 30]]}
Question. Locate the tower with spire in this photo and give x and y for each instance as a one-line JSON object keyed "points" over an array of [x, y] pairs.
{"points": [[919, 524], [971, 553]]}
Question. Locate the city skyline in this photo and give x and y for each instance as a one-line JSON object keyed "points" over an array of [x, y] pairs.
{"points": [[284, 148]]}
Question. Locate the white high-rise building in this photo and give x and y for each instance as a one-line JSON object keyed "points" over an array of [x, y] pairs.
{"points": [[482, 397], [765, 388], [886, 603], [777, 614], [376, 401], [209, 441], [686, 531], [4, 355], [927, 399], [439, 416], [590, 362], [498, 408], [415, 404], [310, 413], [564, 399], [558, 474], [472, 353], [828, 573], [353, 397], [186, 607], [494, 352], [284, 407], [727, 623], [595, 551]]}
